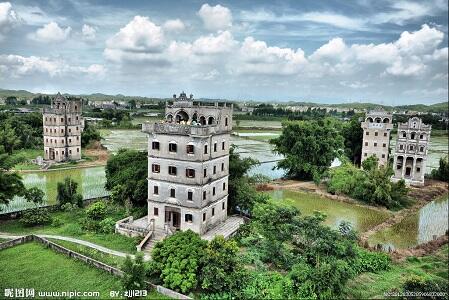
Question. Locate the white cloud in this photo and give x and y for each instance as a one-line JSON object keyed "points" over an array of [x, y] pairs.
{"points": [[51, 32], [175, 25], [18, 66], [140, 39], [403, 11], [8, 18], [333, 19], [221, 43], [422, 41], [215, 17], [335, 48], [89, 33]]}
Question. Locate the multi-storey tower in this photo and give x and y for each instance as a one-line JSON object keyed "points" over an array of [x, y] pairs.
{"points": [[188, 165], [410, 155], [62, 129], [376, 135]]}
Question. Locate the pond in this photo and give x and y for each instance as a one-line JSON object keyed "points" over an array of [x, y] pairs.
{"points": [[418, 228], [90, 184], [361, 218]]}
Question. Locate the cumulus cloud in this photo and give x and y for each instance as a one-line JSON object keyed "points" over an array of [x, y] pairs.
{"points": [[8, 18], [215, 17], [221, 43], [18, 66], [140, 39], [51, 32], [175, 25], [89, 33]]}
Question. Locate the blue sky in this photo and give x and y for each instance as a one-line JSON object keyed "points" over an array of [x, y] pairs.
{"points": [[389, 52]]}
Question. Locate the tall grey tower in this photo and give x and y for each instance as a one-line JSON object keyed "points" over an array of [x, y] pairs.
{"points": [[188, 165], [376, 135], [62, 129], [410, 155]]}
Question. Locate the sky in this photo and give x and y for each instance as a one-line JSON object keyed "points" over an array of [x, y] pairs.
{"points": [[390, 52]]}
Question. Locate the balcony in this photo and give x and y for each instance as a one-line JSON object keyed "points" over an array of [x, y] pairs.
{"points": [[180, 129]]}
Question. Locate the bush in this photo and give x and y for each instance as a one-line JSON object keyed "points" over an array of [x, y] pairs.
{"points": [[56, 222], [73, 229], [107, 225], [37, 216], [367, 261], [68, 207], [97, 210], [134, 273], [89, 224], [67, 192], [419, 284]]}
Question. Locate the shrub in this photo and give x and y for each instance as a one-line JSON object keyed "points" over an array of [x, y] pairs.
{"points": [[37, 216], [73, 229], [67, 192], [96, 211], [89, 224], [107, 225], [56, 222], [68, 207], [134, 273], [367, 261], [416, 283]]}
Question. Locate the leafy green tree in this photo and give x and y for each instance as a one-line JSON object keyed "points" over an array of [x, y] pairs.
{"points": [[35, 195], [177, 260], [9, 138], [10, 182], [221, 266], [442, 173], [308, 147], [352, 133], [96, 211], [134, 273], [129, 168], [67, 192], [370, 163], [90, 133]]}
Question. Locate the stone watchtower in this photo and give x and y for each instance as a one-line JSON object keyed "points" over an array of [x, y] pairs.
{"points": [[410, 155], [62, 129], [188, 165], [376, 135]]}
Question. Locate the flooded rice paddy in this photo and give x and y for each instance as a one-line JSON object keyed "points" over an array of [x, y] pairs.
{"points": [[415, 229], [361, 218]]}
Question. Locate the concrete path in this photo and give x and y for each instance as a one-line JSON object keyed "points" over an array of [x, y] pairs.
{"points": [[76, 241]]}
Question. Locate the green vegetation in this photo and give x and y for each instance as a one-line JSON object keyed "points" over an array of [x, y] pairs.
{"points": [[371, 185], [352, 133], [67, 193], [89, 134], [374, 285], [126, 173], [23, 266], [442, 173], [309, 147], [134, 273], [70, 224], [36, 216]]}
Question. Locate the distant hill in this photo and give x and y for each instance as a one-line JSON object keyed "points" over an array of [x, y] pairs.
{"points": [[436, 108]]}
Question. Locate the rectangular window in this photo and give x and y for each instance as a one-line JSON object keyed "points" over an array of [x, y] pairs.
{"points": [[385, 134], [205, 149], [215, 147], [421, 136], [376, 134], [366, 143], [366, 154], [224, 186], [70, 130], [155, 168], [213, 191], [155, 190], [188, 218], [156, 211], [375, 144], [62, 119], [215, 170], [421, 149], [172, 170], [226, 121], [383, 155], [418, 169], [190, 149], [223, 205], [78, 150], [401, 147], [190, 173], [222, 166], [213, 211], [367, 133], [172, 147], [204, 217], [189, 195], [204, 173], [70, 119], [384, 145], [62, 130], [70, 140], [204, 195], [155, 146], [172, 193], [222, 145]]}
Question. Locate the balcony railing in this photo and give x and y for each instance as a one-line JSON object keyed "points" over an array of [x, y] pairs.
{"points": [[181, 129]]}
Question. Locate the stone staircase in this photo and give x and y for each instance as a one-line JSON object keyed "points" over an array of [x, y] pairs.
{"points": [[226, 229], [157, 236]]}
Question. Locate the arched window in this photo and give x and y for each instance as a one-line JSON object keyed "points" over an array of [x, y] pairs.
{"points": [[169, 118], [182, 116], [378, 120], [369, 120], [203, 120], [210, 120], [386, 120]]}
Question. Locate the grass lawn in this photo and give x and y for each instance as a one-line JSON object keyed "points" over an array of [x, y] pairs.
{"points": [[112, 260], [370, 285], [32, 265], [71, 227], [28, 154]]}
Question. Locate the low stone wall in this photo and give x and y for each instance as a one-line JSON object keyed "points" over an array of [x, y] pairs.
{"points": [[51, 207], [95, 263]]}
